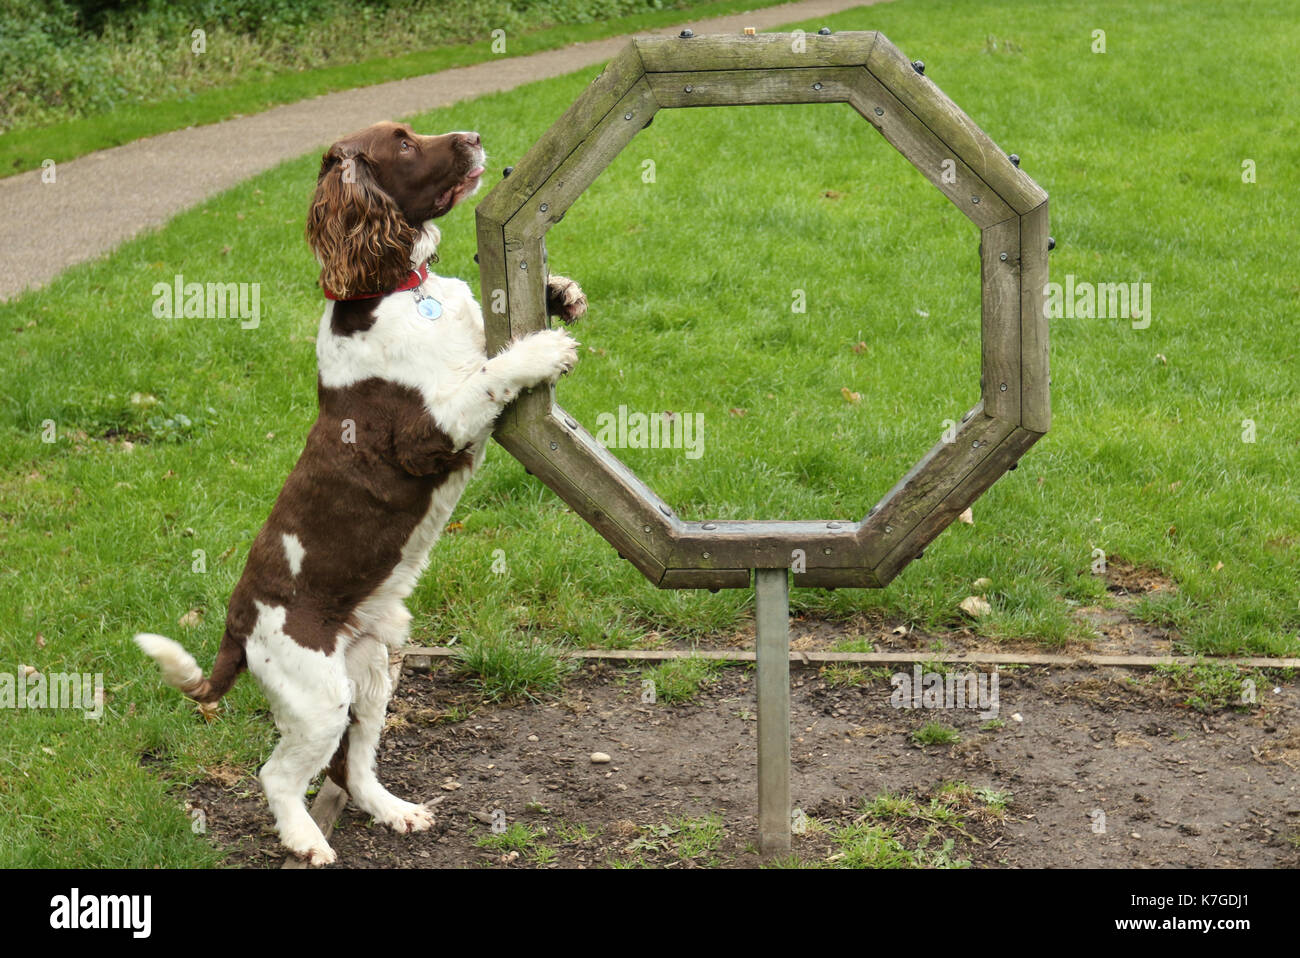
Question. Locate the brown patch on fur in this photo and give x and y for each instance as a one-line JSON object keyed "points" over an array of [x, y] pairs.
{"points": [[352, 505], [229, 664], [353, 316], [337, 769]]}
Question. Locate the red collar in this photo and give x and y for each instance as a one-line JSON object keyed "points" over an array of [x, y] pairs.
{"points": [[417, 277]]}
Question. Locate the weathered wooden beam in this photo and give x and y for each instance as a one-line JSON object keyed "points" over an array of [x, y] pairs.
{"points": [[748, 87], [851, 577], [761, 51], [772, 641], [423, 657], [764, 544], [957, 130], [526, 277], [492, 282], [555, 145], [1000, 319], [990, 467], [553, 197], [1035, 365], [928, 483], [927, 152], [711, 579], [597, 486]]}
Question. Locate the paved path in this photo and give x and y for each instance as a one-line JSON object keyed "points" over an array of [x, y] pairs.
{"points": [[104, 198]]}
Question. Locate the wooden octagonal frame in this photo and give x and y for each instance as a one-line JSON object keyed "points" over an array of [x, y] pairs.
{"points": [[868, 72]]}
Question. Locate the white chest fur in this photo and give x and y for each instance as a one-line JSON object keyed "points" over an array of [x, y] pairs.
{"points": [[432, 356]]}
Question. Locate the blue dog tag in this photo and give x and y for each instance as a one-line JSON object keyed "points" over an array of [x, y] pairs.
{"points": [[429, 307]]}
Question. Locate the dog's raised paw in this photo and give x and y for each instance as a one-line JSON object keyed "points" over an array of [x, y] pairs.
{"points": [[547, 355], [564, 298]]}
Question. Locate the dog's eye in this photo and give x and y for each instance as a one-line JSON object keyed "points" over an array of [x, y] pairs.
{"points": [[406, 145]]}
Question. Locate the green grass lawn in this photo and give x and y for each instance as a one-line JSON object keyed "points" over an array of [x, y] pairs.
{"points": [[691, 282]]}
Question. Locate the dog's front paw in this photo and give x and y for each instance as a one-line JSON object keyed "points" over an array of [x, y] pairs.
{"points": [[564, 298], [545, 356]]}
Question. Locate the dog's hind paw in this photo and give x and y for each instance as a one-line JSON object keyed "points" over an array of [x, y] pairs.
{"points": [[406, 817], [316, 855], [322, 856]]}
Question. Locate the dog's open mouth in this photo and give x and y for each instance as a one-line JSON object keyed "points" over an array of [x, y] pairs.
{"points": [[468, 184]]}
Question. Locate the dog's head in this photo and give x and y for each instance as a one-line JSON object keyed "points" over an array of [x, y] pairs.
{"points": [[377, 189]]}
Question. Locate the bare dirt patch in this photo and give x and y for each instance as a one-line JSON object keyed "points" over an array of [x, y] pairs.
{"points": [[1104, 768]]}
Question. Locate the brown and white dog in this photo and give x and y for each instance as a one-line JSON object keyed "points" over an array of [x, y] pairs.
{"points": [[407, 399]]}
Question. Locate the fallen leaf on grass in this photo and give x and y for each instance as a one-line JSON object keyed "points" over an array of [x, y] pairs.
{"points": [[849, 395], [976, 606], [190, 619], [967, 517]]}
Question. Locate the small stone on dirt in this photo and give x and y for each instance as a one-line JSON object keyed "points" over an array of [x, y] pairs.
{"points": [[599, 758]]}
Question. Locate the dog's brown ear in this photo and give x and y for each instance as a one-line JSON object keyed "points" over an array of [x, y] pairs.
{"points": [[355, 229]]}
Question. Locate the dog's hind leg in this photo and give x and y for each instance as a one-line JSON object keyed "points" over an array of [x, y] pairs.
{"points": [[309, 694], [305, 747], [367, 662]]}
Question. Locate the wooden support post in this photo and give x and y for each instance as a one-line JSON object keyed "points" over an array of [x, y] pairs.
{"points": [[772, 615]]}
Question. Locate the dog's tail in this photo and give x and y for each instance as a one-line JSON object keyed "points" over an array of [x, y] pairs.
{"points": [[181, 671]]}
